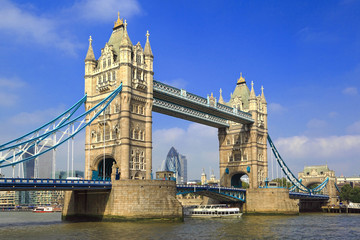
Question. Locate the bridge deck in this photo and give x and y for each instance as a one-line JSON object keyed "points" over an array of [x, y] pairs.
{"points": [[23, 184]]}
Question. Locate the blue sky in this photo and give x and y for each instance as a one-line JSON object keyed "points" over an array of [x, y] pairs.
{"points": [[306, 54]]}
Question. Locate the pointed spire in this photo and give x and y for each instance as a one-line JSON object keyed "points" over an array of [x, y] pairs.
{"points": [[252, 92], [118, 23], [263, 100], [125, 41], [147, 49], [221, 100], [240, 79], [90, 53]]}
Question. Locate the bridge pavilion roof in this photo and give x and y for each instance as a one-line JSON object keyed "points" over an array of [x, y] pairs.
{"points": [[241, 91]]}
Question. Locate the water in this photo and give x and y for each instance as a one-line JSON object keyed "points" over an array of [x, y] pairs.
{"points": [[28, 225]]}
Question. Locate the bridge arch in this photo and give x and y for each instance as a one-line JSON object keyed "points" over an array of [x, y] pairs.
{"points": [[237, 179], [98, 167]]}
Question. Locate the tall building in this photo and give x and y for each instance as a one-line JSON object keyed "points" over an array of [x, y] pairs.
{"points": [[177, 163], [41, 167]]}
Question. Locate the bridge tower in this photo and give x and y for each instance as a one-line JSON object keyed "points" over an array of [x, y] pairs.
{"points": [[120, 140], [243, 148], [314, 175]]}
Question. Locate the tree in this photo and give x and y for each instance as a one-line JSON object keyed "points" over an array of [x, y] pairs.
{"points": [[350, 194], [282, 182]]}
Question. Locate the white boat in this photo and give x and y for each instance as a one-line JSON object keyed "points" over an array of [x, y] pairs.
{"points": [[43, 210], [212, 211]]}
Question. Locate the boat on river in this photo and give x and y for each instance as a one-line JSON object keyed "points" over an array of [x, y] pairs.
{"points": [[212, 211], [43, 210]]}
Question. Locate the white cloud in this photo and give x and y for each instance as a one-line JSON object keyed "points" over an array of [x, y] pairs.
{"points": [[198, 143], [11, 83], [8, 99], [178, 83], [8, 87], [351, 91], [106, 10], [340, 151], [307, 34], [354, 128], [26, 26], [333, 114], [316, 124], [38, 117], [276, 108]]}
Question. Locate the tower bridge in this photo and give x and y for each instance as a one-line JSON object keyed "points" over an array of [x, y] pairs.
{"points": [[120, 96]]}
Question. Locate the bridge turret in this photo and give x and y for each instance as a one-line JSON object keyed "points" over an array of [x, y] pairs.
{"points": [[90, 64]]}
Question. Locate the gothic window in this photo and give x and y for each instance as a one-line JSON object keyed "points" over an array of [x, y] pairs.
{"points": [[109, 62], [93, 136], [136, 134], [133, 73], [109, 77], [237, 139], [138, 75], [138, 58], [141, 110], [104, 63], [231, 158], [245, 157], [98, 137], [107, 110], [238, 157], [107, 132], [117, 107], [114, 76]]}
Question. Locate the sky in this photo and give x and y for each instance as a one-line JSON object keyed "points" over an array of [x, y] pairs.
{"points": [[306, 54]]}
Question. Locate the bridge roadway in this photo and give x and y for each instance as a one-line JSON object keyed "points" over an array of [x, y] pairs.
{"points": [[229, 194]]}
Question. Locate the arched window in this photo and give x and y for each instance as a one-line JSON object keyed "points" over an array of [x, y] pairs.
{"points": [[136, 134], [107, 132]]}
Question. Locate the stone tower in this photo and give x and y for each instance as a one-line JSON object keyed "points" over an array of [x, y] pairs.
{"points": [[243, 148], [313, 176], [120, 140]]}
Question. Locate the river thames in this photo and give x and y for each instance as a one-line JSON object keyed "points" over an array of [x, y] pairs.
{"points": [[28, 225]]}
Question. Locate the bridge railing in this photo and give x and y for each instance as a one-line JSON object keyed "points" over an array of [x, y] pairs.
{"points": [[50, 181]]}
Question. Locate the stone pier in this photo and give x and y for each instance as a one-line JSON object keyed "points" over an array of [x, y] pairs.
{"points": [[127, 200], [270, 201]]}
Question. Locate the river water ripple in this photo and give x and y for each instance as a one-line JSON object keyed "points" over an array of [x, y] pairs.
{"points": [[28, 225]]}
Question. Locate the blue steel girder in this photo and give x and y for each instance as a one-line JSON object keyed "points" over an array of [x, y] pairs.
{"points": [[219, 193], [25, 184], [308, 196], [187, 113], [183, 98]]}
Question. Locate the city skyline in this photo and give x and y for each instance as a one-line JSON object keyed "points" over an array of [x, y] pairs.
{"points": [[305, 54]]}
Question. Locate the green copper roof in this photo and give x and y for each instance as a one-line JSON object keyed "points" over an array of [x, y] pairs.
{"points": [[241, 90], [115, 39]]}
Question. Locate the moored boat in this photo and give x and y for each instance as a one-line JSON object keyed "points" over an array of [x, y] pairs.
{"points": [[43, 210], [212, 211]]}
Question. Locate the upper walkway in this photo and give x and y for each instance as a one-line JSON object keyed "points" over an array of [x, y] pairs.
{"points": [[182, 104]]}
